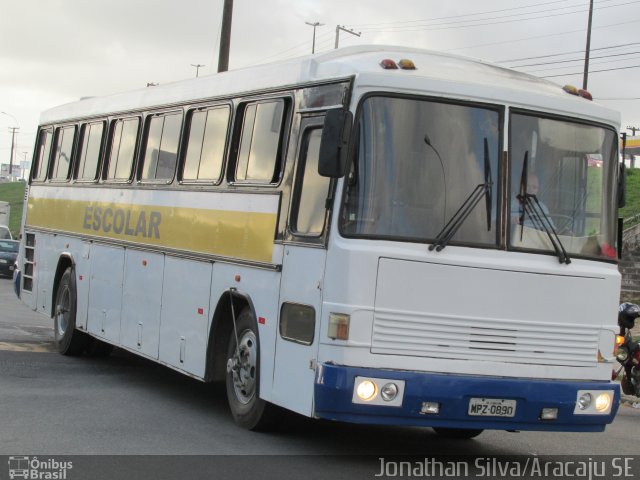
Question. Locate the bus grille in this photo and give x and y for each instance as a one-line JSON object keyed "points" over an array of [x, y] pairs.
{"points": [[507, 341]]}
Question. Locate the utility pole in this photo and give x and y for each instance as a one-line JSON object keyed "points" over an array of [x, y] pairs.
{"points": [[197, 65], [13, 143], [314, 25], [225, 36], [633, 130], [341, 27], [585, 77]]}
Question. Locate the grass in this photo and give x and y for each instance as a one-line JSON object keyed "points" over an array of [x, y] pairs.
{"points": [[13, 192], [633, 196]]}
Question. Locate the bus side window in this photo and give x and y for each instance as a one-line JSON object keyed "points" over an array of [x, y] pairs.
{"points": [[90, 151], [124, 135], [65, 137], [162, 136], [206, 144], [309, 210], [260, 142], [41, 160]]}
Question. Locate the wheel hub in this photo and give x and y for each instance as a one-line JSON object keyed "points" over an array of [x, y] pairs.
{"points": [[62, 311], [242, 367]]}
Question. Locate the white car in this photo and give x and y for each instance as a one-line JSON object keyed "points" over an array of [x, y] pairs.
{"points": [[5, 233]]}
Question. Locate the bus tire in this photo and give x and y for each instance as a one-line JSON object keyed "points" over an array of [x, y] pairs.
{"points": [[458, 433], [243, 373], [68, 340]]}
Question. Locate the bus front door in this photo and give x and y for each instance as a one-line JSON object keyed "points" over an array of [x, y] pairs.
{"points": [[302, 277]]}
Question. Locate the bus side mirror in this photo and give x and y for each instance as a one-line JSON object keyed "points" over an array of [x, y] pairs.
{"points": [[622, 185], [334, 143]]}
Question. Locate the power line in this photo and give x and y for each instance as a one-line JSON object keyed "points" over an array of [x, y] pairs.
{"points": [[575, 60], [571, 66], [565, 53], [364, 25], [304, 45], [442, 26], [592, 71], [547, 35]]}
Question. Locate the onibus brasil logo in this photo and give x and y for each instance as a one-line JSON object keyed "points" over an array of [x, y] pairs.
{"points": [[33, 468]]}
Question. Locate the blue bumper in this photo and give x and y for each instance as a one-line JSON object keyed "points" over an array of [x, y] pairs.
{"points": [[334, 392]]}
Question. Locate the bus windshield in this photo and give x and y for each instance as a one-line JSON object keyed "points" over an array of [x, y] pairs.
{"points": [[417, 162], [568, 170]]}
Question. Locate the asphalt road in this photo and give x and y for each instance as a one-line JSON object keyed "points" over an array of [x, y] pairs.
{"points": [[124, 405]]}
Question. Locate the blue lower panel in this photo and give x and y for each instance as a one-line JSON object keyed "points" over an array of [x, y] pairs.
{"points": [[334, 391]]}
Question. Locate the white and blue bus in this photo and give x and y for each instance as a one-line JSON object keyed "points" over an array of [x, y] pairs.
{"points": [[378, 235]]}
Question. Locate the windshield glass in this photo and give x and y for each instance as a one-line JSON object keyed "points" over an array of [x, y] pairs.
{"points": [[8, 246], [570, 168], [417, 162]]}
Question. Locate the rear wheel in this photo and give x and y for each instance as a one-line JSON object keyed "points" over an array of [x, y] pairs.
{"points": [[69, 341], [458, 433], [243, 377]]}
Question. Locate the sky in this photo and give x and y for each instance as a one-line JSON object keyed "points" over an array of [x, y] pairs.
{"points": [[56, 51]]}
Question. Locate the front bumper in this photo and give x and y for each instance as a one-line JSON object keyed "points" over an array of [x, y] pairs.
{"points": [[334, 392]]}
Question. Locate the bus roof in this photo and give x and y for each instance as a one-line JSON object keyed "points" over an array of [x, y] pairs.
{"points": [[363, 61]]}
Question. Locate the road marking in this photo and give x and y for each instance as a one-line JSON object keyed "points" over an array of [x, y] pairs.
{"points": [[39, 347]]}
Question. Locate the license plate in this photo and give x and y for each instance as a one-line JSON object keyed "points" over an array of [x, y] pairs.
{"points": [[492, 407]]}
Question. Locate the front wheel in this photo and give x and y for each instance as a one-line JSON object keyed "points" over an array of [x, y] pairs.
{"points": [[458, 433], [69, 341], [243, 373]]}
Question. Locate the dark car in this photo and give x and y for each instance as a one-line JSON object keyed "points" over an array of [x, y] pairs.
{"points": [[8, 254]]}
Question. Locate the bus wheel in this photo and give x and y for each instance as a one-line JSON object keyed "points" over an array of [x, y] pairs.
{"points": [[243, 368], [68, 340], [458, 433]]}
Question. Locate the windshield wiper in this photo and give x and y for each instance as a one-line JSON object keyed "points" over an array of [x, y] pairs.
{"points": [[540, 220], [481, 190]]}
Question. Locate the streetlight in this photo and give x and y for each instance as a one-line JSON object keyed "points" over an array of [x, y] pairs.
{"points": [[314, 25], [197, 65], [13, 142]]}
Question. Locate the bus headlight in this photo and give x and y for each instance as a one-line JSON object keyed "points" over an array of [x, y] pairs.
{"points": [[603, 402], [389, 392], [593, 402], [366, 390], [584, 401], [378, 391]]}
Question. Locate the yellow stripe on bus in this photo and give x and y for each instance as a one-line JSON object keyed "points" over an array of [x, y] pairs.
{"points": [[243, 235]]}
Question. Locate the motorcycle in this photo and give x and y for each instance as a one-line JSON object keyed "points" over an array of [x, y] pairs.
{"points": [[628, 352]]}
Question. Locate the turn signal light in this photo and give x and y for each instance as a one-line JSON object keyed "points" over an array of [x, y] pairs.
{"points": [[339, 326], [619, 341]]}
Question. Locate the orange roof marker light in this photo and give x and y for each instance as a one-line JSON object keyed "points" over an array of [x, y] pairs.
{"points": [[388, 64], [406, 64], [577, 91]]}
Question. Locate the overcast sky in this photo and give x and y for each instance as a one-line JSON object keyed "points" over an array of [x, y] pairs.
{"points": [[56, 51]]}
